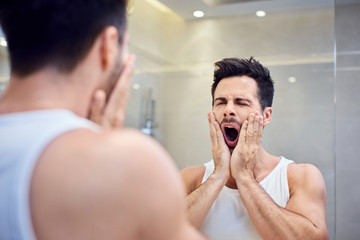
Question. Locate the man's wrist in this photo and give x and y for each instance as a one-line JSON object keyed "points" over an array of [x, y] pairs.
{"points": [[221, 176], [244, 178]]}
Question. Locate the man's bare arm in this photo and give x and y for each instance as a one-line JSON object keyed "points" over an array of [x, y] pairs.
{"points": [[304, 215], [302, 218], [201, 197]]}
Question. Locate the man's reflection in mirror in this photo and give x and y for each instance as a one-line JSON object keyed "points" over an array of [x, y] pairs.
{"points": [[245, 192]]}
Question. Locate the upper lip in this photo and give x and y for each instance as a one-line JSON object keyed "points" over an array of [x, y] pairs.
{"points": [[230, 124]]}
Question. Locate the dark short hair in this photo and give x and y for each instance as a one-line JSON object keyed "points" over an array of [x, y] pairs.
{"points": [[56, 33], [230, 67]]}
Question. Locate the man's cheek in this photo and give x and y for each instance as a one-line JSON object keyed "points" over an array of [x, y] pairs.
{"points": [[217, 118]]}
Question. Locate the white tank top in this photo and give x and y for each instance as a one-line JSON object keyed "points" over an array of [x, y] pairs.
{"points": [[228, 219], [23, 137]]}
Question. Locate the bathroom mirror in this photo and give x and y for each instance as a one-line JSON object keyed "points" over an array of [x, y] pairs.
{"points": [[170, 92], [170, 95]]}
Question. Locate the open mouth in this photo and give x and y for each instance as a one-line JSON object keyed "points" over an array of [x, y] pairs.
{"points": [[231, 133]]}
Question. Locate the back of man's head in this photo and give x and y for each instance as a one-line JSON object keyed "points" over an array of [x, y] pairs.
{"points": [[56, 33]]}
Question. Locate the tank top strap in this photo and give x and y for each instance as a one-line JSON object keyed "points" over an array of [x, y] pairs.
{"points": [[280, 168], [210, 166]]}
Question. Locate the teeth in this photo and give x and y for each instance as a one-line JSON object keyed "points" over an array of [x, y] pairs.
{"points": [[229, 127]]}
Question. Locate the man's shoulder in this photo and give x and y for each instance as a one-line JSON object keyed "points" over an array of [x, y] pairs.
{"points": [[304, 175], [104, 144], [193, 171], [93, 177], [125, 150], [301, 169], [192, 177]]}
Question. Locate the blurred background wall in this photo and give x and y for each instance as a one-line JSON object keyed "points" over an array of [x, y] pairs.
{"points": [[312, 49], [347, 32]]}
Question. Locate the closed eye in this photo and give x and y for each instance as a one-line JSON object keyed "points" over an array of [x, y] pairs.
{"points": [[243, 104], [220, 102]]}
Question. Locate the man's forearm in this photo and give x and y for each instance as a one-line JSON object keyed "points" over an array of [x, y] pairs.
{"points": [[273, 221], [201, 199]]}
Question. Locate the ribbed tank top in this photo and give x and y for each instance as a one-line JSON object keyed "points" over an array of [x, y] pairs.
{"points": [[23, 137], [228, 219]]}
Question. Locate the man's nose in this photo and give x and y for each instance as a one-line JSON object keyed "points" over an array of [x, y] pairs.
{"points": [[229, 110]]}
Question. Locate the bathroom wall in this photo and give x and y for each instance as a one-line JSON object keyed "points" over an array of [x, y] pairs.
{"points": [[4, 71], [146, 27], [347, 29], [4, 65]]}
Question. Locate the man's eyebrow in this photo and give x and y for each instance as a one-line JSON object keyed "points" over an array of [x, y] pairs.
{"points": [[238, 99], [220, 99]]}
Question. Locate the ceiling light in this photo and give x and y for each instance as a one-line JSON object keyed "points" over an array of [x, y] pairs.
{"points": [[3, 42], [198, 14], [136, 86], [130, 7], [292, 79], [260, 13]]}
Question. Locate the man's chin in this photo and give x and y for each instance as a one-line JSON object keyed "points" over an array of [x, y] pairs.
{"points": [[231, 144], [231, 147]]}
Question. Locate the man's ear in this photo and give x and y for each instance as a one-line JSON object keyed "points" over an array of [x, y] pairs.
{"points": [[267, 114], [109, 47]]}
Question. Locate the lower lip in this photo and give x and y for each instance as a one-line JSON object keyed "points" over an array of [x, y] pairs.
{"points": [[231, 143]]}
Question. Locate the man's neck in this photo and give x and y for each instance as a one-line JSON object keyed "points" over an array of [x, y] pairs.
{"points": [[265, 163], [46, 89]]}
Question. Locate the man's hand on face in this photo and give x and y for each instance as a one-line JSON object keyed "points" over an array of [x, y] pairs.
{"points": [[245, 154], [220, 150], [112, 115]]}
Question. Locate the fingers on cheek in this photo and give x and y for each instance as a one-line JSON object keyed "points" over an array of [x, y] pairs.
{"points": [[252, 118], [257, 119], [213, 119], [245, 125]]}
